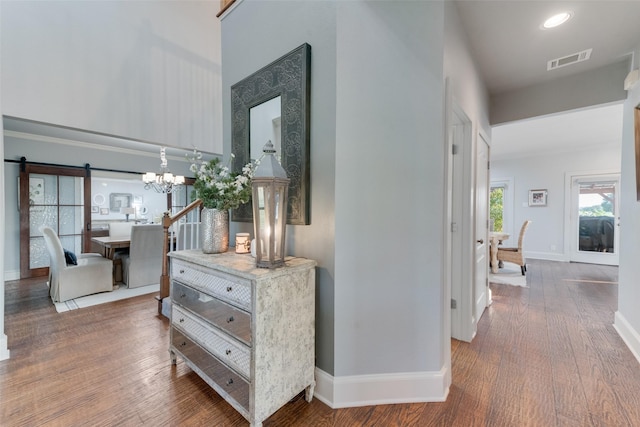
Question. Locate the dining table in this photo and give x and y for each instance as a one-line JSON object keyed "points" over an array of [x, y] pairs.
{"points": [[109, 244], [495, 238]]}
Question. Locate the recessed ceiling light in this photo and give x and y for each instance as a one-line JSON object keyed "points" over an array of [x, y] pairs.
{"points": [[556, 20]]}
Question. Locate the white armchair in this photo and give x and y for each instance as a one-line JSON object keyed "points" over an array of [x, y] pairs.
{"points": [[143, 265], [91, 275]]}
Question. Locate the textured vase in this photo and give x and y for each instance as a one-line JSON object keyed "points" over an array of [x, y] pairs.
{"points": [[214, 231]]}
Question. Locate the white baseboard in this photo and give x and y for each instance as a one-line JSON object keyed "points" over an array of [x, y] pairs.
{"points": [[4, 350], [11, 275], [382, 389], [628, 334]]}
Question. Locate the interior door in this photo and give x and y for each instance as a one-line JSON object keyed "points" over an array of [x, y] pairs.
{"points": [[58, 198], [481, 283], [595, 219]]}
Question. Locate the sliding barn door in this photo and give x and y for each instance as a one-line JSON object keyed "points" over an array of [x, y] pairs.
{"points": [[56, 197]]}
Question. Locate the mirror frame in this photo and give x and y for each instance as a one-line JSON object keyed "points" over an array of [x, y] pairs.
{"points": [[290, 78]]}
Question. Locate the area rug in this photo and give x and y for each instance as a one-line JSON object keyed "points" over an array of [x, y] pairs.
{"points": [[510, 274], [101, 298]]}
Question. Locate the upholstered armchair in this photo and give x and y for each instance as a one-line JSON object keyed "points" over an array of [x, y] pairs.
{"points": [[143, 265], [92, 274], [515, 255]]}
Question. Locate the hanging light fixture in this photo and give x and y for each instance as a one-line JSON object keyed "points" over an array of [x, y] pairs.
{"points": [[269, 186], [165, 181]]}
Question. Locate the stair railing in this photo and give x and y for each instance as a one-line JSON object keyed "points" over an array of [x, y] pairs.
{"points": [[174, 238]]}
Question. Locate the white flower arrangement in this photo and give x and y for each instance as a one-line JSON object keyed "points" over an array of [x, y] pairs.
{"points": [[217, 186]]}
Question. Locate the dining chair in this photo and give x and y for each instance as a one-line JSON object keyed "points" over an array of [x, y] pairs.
{"points": [[91, 274], [515, 255], [143, 265], [120, 229]]}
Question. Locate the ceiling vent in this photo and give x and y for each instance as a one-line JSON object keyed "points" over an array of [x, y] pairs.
{"points": [[569, 59]]}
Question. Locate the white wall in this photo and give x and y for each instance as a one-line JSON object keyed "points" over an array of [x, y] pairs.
{"points": [[627, 320], [548, 172], [147, 70], [155, 203]]}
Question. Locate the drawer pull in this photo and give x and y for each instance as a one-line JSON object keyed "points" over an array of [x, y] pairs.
{"points": [[182, 271], [229, 289], [230, 319], [230, 381], [183, 295], [184, 343], [182, 320], [228, 351]]}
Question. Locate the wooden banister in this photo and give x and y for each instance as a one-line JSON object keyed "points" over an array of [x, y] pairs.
{"points": [[167, 222]]}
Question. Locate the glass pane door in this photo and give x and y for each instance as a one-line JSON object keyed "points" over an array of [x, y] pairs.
{"points": [[53, 197], [56, 202], [596, 206], [595, 232]]}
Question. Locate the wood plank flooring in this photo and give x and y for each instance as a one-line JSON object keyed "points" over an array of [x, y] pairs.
{"points": [[545, 355]]}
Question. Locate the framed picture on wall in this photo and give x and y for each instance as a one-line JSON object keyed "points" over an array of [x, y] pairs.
{"points": [[537, 197], [104, 211], [95, 209]]}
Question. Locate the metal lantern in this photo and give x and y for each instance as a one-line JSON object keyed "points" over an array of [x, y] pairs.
{"points": [[270, 187]]}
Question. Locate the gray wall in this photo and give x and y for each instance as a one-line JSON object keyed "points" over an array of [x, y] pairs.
{"points": [[253, 35], [376, 149], [563, 94], [122, 68], [4, 352], [628, 289], [389, 148]]}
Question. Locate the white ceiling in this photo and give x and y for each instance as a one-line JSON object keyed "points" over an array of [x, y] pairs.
{"points": [[599, 127], [512, 52]]}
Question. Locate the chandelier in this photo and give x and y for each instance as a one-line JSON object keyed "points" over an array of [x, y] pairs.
{"points": [[165, 181]]}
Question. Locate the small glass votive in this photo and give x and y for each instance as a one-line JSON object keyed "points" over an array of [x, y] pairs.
{"points": [[243, 244]]}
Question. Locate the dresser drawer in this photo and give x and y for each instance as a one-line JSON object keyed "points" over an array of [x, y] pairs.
{"points": [[231, 352], [233, 290], [235, 321], [233, 384]]}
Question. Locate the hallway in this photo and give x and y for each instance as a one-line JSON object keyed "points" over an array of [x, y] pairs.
{"points": [[545, 355]]}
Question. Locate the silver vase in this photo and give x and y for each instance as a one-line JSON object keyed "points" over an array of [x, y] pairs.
{"points": [[214, 232]]}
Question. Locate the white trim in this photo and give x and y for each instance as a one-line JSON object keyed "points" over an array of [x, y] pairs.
{"points": [[4, 350], [381, 389], [629, 335], [11, 275]]}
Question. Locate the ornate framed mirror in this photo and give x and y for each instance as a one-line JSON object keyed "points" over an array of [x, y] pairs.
{"points": [[285, 85]]}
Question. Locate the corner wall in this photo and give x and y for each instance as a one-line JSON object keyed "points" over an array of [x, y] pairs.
{"points": [[627, 318]]}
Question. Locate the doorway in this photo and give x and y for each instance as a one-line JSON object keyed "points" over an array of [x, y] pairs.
{"points": [[594, 219]]}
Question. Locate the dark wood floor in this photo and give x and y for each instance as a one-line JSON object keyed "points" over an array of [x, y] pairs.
{"points": [[545, 355]]}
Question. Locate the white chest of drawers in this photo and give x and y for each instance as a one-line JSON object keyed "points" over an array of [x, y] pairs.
{"points": [[248, 332]]}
